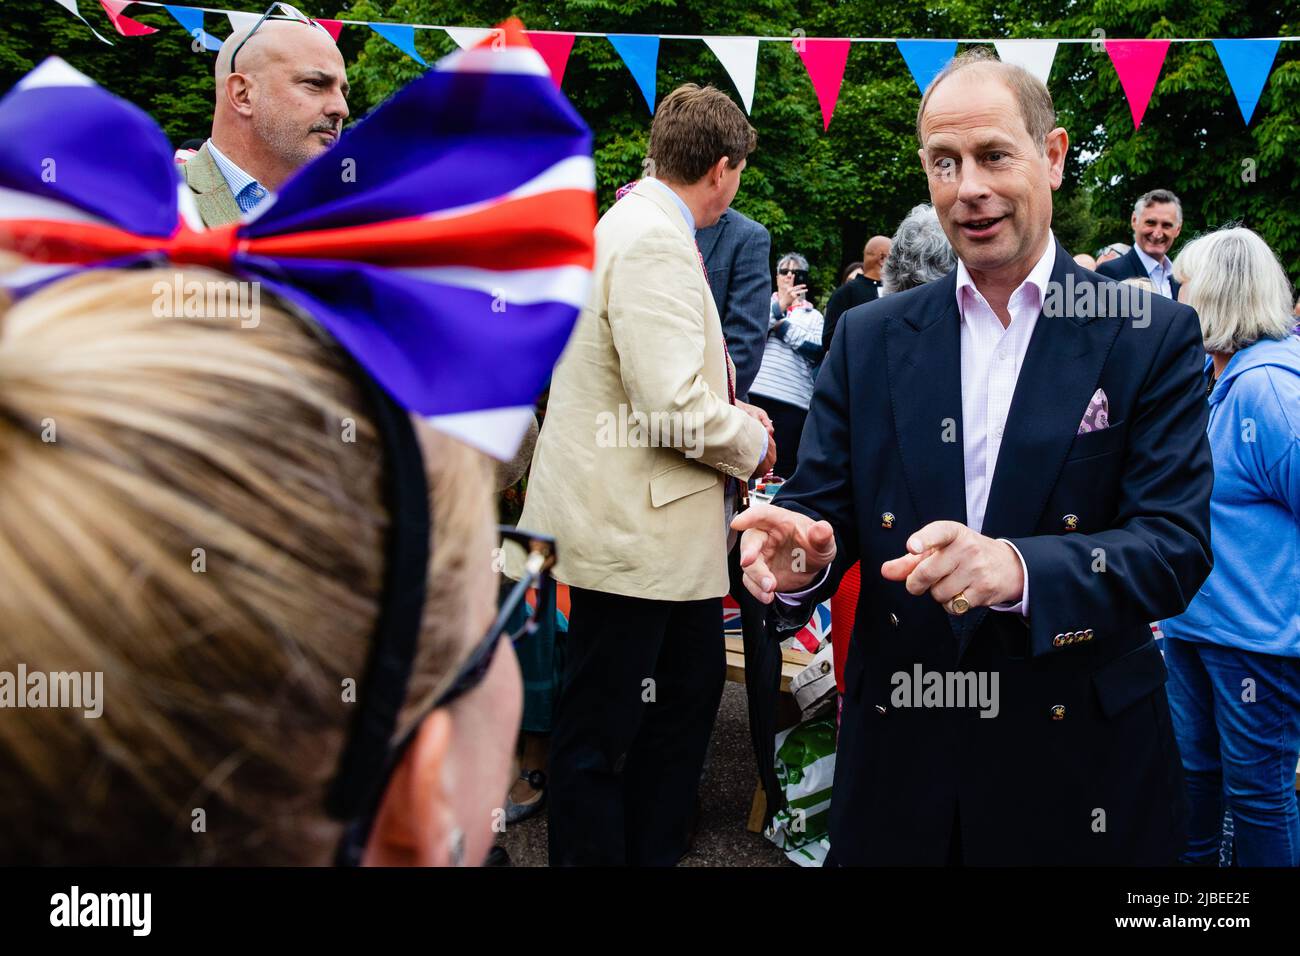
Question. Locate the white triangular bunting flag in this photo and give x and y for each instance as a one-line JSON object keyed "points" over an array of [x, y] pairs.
{"points": [[1036, 56], [740, 57], [71, 7], [242, 21], [467, 37]]}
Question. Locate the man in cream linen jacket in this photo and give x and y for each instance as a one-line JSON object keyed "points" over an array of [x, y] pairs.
{"points": [[636, 470]]}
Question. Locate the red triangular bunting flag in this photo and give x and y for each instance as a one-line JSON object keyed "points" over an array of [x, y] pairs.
{"points": [[125, 25], [824, 60], [1138, 64], [332, 27], [555, 49]]}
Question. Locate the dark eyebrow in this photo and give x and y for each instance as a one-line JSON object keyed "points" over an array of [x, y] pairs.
{"points": [[991, 144], [327, 77]]}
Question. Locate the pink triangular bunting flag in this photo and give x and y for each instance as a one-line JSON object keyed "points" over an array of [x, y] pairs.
{"points": [[332, 27], [1138, 64], [125, 25], [824, 59], [555, 49]]}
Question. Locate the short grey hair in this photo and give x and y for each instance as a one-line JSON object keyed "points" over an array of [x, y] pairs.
{"points": [[921, 252], [1158, 195], [1119, 248], [799, 261], [1238, 288]]}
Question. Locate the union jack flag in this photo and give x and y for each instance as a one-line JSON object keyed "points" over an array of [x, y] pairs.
{"points": [[815, 633], [810, 637], [452, 263]]}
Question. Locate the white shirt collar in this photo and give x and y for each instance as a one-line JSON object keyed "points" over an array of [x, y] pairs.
{"points": [[235, 177], [1037, 279], [681, 203], [1149, 264]]}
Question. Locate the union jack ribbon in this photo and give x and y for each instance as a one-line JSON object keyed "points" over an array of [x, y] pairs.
{"points": [[446, 241]]}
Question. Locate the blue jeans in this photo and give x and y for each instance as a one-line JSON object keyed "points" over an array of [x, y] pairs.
{"points": [[1237, 719]]}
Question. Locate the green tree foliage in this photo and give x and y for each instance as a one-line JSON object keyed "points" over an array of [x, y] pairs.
{"points": [[820, 193]]}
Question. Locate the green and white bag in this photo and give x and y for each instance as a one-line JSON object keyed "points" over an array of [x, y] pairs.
{"points": [[805, 767]]}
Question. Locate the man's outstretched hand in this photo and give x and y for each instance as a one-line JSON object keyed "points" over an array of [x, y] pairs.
{"points": [[946, 558], [781, 550]]}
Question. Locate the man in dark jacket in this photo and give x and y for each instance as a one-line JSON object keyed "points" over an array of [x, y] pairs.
{"points": [[1016, 453], [858, 290], [1157, 221], [736, 251]]}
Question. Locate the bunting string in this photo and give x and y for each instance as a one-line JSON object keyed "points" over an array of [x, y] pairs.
{"points": [[1247, 62]]}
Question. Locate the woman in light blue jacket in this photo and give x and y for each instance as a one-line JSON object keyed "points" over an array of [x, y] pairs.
{"points": [[1234, 654]]}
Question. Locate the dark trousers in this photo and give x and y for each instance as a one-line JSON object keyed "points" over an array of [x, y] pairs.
{"points": [[642, 684], [787, 424], [762, 681]]}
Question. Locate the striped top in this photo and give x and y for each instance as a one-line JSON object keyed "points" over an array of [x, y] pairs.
{"points": [[785, 374]]}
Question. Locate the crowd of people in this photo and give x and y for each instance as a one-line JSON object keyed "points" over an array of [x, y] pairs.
{"points": [[1151, 510], [1004, 490]]}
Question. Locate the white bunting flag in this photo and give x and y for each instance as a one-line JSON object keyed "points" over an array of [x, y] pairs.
{"points": [[1036, 56], [71, 7], [740, 57], [467, 37], [242, 21]]}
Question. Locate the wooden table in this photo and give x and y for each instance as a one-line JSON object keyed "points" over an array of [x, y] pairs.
{"points": [[793, 660]]}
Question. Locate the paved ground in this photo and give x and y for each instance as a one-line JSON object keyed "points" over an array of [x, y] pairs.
{"points": [[728, 787]]}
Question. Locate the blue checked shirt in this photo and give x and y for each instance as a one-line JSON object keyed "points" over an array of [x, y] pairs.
{"points": [[247, 190]]}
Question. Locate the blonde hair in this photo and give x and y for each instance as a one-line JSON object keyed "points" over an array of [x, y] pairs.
{"points": [[1237, 287], [183, 511]]}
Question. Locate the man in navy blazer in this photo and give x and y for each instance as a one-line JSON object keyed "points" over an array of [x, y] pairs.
{"points": [[1020, 450], [736, 250], [1157, 221]]}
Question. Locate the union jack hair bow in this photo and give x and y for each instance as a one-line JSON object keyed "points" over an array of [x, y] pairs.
{"points": [[446, 241]]}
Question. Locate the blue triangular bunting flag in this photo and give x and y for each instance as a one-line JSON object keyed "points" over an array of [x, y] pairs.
{"points": [[192, 20], [641, 54], [925, 58], [1247, 63], [401, 36]]}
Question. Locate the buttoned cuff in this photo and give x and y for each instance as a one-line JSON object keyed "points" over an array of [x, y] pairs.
{"points": [[1021, 607]]}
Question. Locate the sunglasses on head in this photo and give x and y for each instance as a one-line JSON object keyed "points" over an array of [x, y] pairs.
{"points": [[289, 13]]}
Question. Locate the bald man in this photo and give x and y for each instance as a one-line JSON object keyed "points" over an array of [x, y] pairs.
{"points": [[859, 289], [282, 107]]}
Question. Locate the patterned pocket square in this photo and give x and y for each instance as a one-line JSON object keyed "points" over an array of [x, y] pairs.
{"points": [[1097, 415]]}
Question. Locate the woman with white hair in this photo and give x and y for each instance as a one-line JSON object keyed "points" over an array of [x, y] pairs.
{"points": [[1234, 655]]}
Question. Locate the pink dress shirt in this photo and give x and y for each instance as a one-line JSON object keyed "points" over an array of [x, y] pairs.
{"points": [[991, 357]]}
